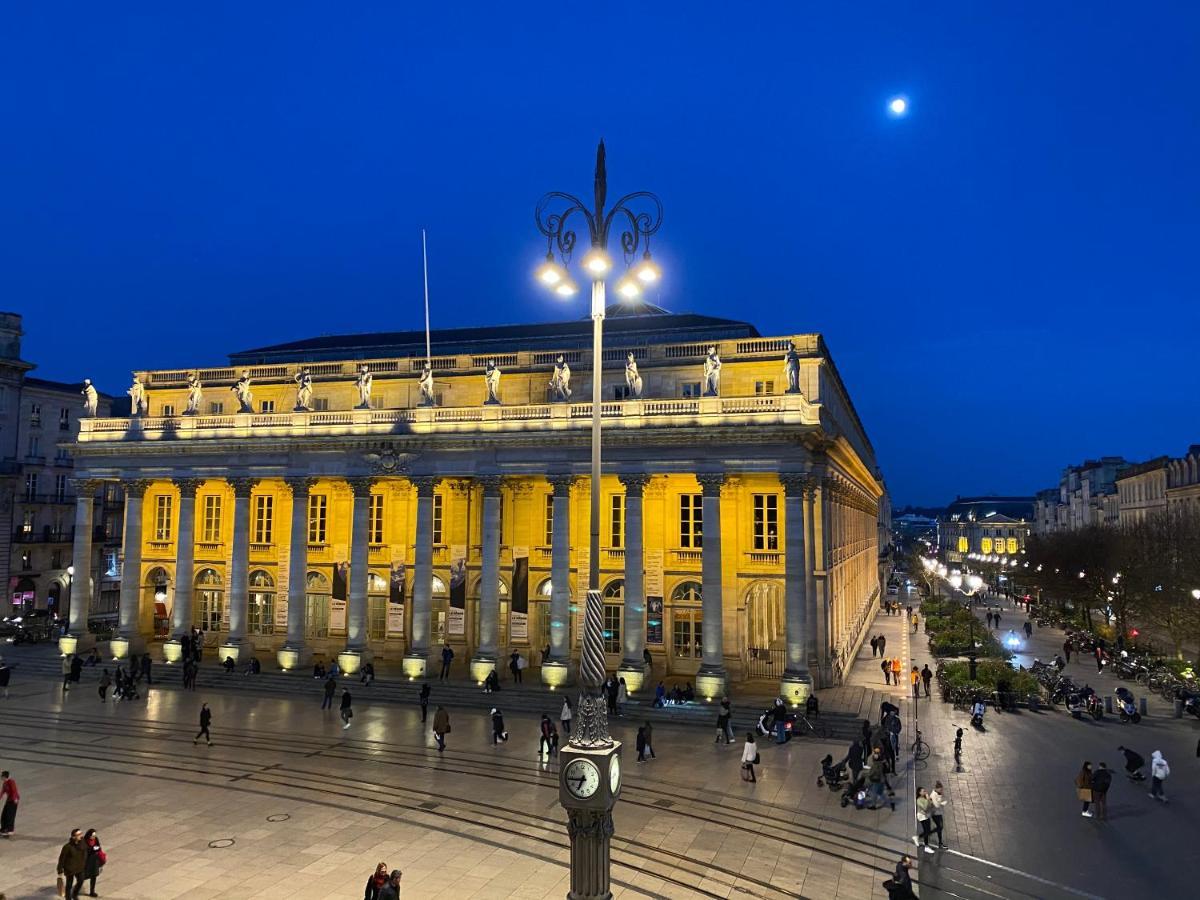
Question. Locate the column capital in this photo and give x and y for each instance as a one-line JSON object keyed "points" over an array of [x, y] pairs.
{"points": [[561, 484], [711, 482], [424, 484], [188, 486], [635, 482], [86, 487], [794, 483], [136, 487], [300, 485], [518, 486], [361, 486], [242, 486], [491, 484]]}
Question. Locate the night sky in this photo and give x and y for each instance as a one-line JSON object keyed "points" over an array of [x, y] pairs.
{"points": [[1007, 277]]}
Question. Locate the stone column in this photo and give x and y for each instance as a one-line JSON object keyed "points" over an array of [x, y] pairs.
{"points": [[797, 682], [185, 556], [710, 679], [239, 568], [422, 594], [557, 670], [356, 652], [295, 654], [810, 579], [489, 585], [80, 596], [131, 570], [633, 668]]}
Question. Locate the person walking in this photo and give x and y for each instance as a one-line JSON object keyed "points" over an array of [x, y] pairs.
{"points": [[996, 616], [1101, 782], [96, 858], [649, 729], [927, 678], [330, 688], [1067, 649], [896, 665], [1083, 788], [1099, 660], [923, 820], [514, 666], [565, 716], [886, 665], [546, 742], [441, 727], [854, 760], [915, 620], [105, 684], [1159, 770], [874, 646], [989, 619], [346, 709], [11, 797], [1028, 630], [72, 860], [499, 735], [937, 805], [447, 658], [899, 886], [66, 672], [205, 721], [882, 644], [641, 745], [877, 781], [391, 890], [376, 882], [423, 697], [914, 678], [749, 758]]}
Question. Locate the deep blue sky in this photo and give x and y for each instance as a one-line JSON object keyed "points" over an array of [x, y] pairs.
{"points": [[1007, 278]]}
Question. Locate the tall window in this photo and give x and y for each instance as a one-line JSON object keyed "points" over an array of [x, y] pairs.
{"points": [[318, 505], [31, 486], [766, 521], [437, 518], [64, 419], [377, 589], [549, 520], [616, 521], [316, 606], [211, 532], [687, 620], [264, 519], [691, 521], [162, 517], [60, 487], [614, 595], [35, 415], [260, 613], [35, 445], [375, 530], [210, 600], [27, 522]]}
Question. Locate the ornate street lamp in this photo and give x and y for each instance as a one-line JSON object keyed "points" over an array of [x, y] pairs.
{"points": [[590, 764]]}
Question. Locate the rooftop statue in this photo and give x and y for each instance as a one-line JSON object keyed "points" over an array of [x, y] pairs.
{"points": [[560, 381], [303, 380], [195, 394], [712, 373], [633, 380], [362, 381], [791, 369], [491, 377], [91, 400], [245, 396]]}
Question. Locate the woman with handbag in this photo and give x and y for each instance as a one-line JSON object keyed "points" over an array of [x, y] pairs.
{"points": [[96, 858], [1083, 787], [749, 758]]}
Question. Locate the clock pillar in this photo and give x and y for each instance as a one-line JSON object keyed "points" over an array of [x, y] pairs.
{"points": [[590, 831]]}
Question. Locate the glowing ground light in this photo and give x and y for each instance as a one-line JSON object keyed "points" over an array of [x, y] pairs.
{"points": [[898, 106]]}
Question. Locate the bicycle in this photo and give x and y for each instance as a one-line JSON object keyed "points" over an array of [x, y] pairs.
{"points": [[919, 749], [803, 725]]}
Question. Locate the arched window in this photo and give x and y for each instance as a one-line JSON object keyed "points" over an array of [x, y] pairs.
{"points": [[686, 620], [260, 615], [439, 587], [687, 592], [210, 600], [614, 595], [545, 589], [316, 605]]}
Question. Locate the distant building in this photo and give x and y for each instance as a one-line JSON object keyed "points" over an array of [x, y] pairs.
{"points": [[989, 526], [1087, 495], [1183, 481], [1142, 490]]}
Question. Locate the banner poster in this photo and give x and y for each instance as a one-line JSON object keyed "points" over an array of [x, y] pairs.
{"points": [[281, 598], [654, 573], [458, 591], [337, 607], [397, 591], [654, 620], [518, 617], [579, 602]]}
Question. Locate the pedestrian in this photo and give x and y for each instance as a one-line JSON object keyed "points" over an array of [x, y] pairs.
{"points": [[105, 684], [565, 715], [649, 729], [66, 672], [923, 820], [191, 670], [937, 803], [96, 858], [72, 860], [205, 721], [93, 658], [329, 690], [447, 658], [424, 699], [854, 760], [1159, 770], [1083, 788], [368, 674], [660, 696], [146, 664], [874, 646], [391, 890], [1099, 659], [11, 797], [610, 694], [724, 729], [877, 781], [441, 727], [376, 882], [5, 675], [899, 886], [647, 660], [915, 620], [896, 671], [749, 758], [1067, 649], [622, 696], [514, 666], [498, 733], [996, 616], [882, 644], [641, 745], [1101, 782], [346, 709], [989, 619], [546, 741], [1028, 629], [927, 677], [914, 678], [886, 665]]}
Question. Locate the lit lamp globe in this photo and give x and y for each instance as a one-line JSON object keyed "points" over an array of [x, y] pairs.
{"points": [[647, 271], [628, 288], [1196, 594], [597, 263], [551, 273], [565, 288]]}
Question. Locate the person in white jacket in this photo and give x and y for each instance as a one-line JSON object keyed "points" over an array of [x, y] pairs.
{"points": [[1159, 770], [937, 805], [749, 758]]}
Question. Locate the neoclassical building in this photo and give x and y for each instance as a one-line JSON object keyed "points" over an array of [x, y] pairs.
{"points": [[285, 506]]}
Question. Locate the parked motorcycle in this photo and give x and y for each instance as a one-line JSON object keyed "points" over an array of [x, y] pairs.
{"points": [[1127, 705]]}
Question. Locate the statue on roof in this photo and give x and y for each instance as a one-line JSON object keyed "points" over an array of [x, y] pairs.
{"points": [[712, 373], [304, 389], [195, 394], [426, 385], [362, 381], [245, 396], [137, 395], [791, 369], [491, 377], [633, 381], [91, 400], [560, 381]]}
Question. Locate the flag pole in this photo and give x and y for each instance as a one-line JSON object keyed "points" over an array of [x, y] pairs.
{"points": [[425, 263]]}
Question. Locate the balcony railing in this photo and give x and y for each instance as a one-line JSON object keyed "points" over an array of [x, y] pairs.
{"points": [[764, 557], [44, 536], [687, 557]]}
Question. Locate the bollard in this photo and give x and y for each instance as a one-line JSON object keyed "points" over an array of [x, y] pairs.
{"points": [[1033, 701], [1142, 706], [1178, 708], [1108, 707]]}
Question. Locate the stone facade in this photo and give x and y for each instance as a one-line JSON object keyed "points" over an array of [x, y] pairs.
{"points": [[1142, 491], [739, 533], [1086, 496], [985, 526], [1183, 481]]}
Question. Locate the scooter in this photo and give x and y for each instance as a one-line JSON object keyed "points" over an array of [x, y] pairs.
{"points": [[977, 712], [1191, 704], [1127, 706]]}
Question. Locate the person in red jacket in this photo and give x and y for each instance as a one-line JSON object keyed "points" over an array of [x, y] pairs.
{"points": [[11, 797]]}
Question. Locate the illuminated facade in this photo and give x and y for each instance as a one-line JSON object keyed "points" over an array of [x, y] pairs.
{"points": [[739, 531], [987, 526]]}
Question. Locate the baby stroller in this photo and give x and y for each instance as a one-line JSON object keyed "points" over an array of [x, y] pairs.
{"points": [[833, 775], [1127, 706]]}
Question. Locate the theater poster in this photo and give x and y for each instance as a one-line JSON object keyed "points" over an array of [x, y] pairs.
{"points": [[397, 593], [579, 601], [337, 608], [281, 598], [458, 591], [518, 616]]}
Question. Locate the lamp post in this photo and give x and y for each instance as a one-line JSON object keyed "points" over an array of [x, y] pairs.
{"points": [[70, 592], [590, 764]]}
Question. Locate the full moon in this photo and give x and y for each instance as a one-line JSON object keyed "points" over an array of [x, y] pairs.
{"points": [[898, 106]]}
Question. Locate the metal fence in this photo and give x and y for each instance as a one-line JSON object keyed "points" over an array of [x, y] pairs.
{"points": [[765, 663]]}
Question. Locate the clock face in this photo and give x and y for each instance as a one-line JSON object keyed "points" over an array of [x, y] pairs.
{"points": [[582, 778], [614, 775]]}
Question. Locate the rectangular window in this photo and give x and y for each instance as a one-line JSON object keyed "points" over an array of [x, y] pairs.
{"points": [[318, 505], [375, 531], [763, 388], [168, 410], [437, 518], [162, 517], [549, 529], [266, 406], [216, 407], [56, 559], [377, 618], [60, 487], [27, 522], [320, 404], [616, 521], [264, 519], [64, 419], [689, 389], [612, 627], [35, 415], [211, 530], [31, 486], [35, 445], [691, 521], [766, 521]]}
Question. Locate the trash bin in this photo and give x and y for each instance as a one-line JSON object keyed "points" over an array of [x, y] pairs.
{"points": [[1033, 701]]}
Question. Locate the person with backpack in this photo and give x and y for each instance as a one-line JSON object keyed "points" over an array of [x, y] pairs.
{"points": [[899, 886], [1159, 770]]}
